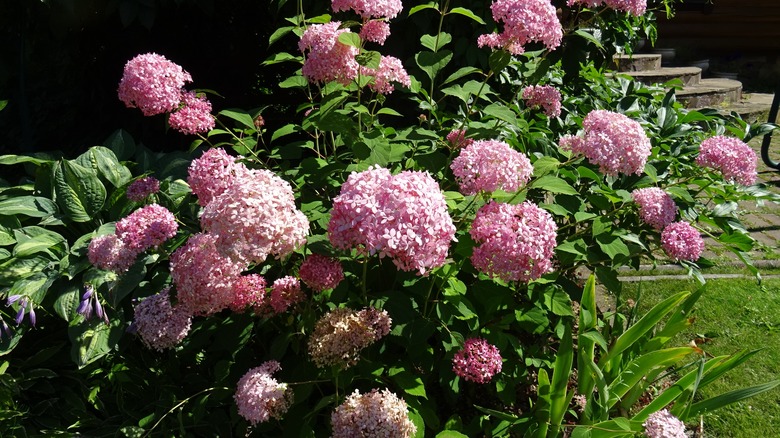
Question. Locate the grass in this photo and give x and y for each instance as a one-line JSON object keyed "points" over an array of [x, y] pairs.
{"points": [[731, 315]]}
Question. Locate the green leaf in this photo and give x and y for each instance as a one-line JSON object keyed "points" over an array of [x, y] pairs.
{"points": [[3, 104], [461, 72], [557, 301], [432, 43], [501, 112], [67, 302], [18, 159], [104, 162], [612, 246], [560, 380], [285, 130], [432, 63], [590, 37], [280, 57], [94, 339], [450, 434], [389, 112], [278, 34], [34, 286], [240, 116], [295, 81], [41, 240], [32, 206], [498, 60], [418, 8], [369, 59], [411, 384], [545, 165], [79, 191], [587, 323], [553, 184], [121, 143], [350, 39], [728, 398], [467, 13]]}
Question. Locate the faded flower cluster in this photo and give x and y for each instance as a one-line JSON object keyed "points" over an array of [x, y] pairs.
{"points": [[342, 333], [662, 424], [259, 397], [160, 324], [375, 414]]}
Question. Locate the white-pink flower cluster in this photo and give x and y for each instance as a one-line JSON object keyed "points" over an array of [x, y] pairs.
{"points": [[478, 361], [212, 173], [248, 292], [159, 324], [369, 8], [732, 157], [141, 188], [259, 397], [656, 207], [375, 31], [662, 424], [108, 252], [373, 414], [614, 142], [286, 292], [489, 165], [546, 97], [147, 227], [633, 7], [403, 217], [194, 115], [682, 242], [390, 70], [327, 59], [342, 333], [320, 272], [515, 242], [152, 84], [525, 21]]}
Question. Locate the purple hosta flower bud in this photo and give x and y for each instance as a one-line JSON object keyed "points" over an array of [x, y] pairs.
{"points": [[4, 328], [12, 299], [20, 313], [85, 306], [33, 319]]}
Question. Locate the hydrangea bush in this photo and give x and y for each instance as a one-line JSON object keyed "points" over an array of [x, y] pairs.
{"points": [[416, 253]]}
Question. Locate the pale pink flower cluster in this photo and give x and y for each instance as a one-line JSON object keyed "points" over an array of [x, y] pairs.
{"points": [[403, 217], [110, 253], [373, 414], [327, 59], [147, 227], [614, 142], [259, 397], [254, 217], [211, 174], [369, 8], [656, 207], [342, 333], [457, 139], [489, 165], [478, 361], [320, 272], [545, 96], [390, 70], [662, 424], [682, 242], [152, 84], [524, 21], [204, 278], [286, 292], [514, 242], [139, 189], [375, 31], [159, 324], [194, 115], [248, 292], [633, 7], [732, 157]]}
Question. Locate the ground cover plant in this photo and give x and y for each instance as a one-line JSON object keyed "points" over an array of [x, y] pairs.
{"points": [[402, 258]]}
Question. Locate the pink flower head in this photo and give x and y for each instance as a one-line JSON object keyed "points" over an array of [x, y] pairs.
{"points": [[152, 83], [248, 291], [682, 242], [515, 242], [457, 139], [375, 31], [656, 207], [141, 188], [489, 165], [255, 217], [614, 142], [147, 227], [194, 117], [524, 21], [212, 173], [732, 157], [544, 96], [369, 8], [390, 70], [478, 361], [286, 292], [327, 59], [110, 253], [204, 278], [633, 7], [403, 217], [342, 333], [375, 414], [662, 424], [159, 324], [321, 273], [259, 397]]}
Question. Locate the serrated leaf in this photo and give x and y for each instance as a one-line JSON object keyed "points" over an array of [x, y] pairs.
{"points": [[461, 72], [350, 39], [432, 43], [285, 130], [553, 184], [467, 13], [295, 81], [432, 63], [369, 59], [418, 8], [239, 116]]}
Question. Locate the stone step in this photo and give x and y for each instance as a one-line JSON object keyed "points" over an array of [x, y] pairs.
{"points": [[637, 62], [688, 75], [753, 107], [711, 93]]}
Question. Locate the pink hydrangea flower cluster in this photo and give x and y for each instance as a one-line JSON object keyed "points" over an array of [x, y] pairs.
{"points": [[254, 217], [147, 227], [662, 424], [159, 324], [320, 272], [614, 142], [342, 333], [682, 242], [457, 139], [375, 414], [194, 115], [375, 31], [259, 397], [286, 292], [478, 361], [403, 217], [152, 84], [212, 173], [327, 59], [633, 7], [204, 278], [390, 70], [248, 291], [489, 165], [656, 207], [369, 8], [732, 157], [546, 97], [141, 188], [524, 21], [515, 242], [108, 252]]}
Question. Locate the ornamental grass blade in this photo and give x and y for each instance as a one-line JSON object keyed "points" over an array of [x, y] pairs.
{"points": [[585, 345], [559, 399], [728, 398], [678, 321]]}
